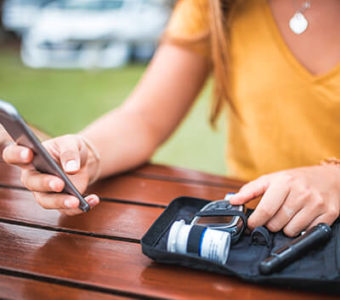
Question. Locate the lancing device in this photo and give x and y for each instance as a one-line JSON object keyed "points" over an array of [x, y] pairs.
{"points": [[296, 248]]}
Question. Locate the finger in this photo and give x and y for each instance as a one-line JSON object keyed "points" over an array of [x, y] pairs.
{"points": [[39, 182], [5, 141], [56, 200], [250, 191], [72, 154], [270, 203], [18, 155], [328, 219], [286, 213], [70, 212], [309, 217], [92, 200], [300, 222], [63, 201]]}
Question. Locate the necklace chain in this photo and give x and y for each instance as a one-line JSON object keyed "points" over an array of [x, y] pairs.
{"points": [[305, 5]]}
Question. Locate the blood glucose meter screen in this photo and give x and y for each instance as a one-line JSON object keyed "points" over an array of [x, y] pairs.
{"points": [[214, 220]]}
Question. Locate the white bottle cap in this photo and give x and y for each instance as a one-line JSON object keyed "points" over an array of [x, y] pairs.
{"points": [[176, 240]]}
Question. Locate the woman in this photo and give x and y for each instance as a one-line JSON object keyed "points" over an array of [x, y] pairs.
{"points": [[276, 66]]}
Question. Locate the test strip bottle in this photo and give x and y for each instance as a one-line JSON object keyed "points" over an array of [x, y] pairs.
{"points": [[203, 241]]}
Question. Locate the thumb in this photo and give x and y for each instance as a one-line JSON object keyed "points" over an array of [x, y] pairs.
{"points": [[250, 191], [72, 154]]}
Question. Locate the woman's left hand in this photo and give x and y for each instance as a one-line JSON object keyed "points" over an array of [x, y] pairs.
{"points": [[295, 199]]}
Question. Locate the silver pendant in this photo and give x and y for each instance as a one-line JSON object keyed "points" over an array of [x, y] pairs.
{"points": [[298, 23]]}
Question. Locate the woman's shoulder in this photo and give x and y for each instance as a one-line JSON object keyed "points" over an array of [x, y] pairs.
{"points": [[189, 25], [189, 18]]}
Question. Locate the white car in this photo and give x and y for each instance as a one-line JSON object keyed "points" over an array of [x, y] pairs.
{"points": [[97, 33], [20, 15]]}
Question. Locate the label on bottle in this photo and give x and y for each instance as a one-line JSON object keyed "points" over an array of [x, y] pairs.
{"points": [[215, 245]]}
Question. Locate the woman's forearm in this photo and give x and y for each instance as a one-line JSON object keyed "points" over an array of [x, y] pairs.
{"points": [[128, 136], [122, 139]]}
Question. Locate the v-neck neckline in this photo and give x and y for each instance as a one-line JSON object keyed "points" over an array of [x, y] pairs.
{"points": [[288, 54]]}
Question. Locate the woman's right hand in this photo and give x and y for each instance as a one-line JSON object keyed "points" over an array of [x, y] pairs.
{"points": [[74, 157]]}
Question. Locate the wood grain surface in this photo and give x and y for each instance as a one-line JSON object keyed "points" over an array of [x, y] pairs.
{"points": [[114, 266], [146, 187], [22, 288], [155, 191], [45, 255], [109, 219]]}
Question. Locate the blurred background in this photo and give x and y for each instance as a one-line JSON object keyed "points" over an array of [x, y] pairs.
{"points": [[63, 63]]}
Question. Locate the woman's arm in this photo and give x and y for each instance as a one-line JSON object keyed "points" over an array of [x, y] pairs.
{"points": [[125, 137], [128, 136]]}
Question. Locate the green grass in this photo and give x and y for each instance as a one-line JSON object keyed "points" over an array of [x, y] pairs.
{"points": [[64, 101]]}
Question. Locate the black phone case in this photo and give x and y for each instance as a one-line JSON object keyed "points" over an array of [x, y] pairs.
{"points": [[318, 270]]}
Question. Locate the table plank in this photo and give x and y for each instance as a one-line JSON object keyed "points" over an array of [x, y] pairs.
{"points": [[109, 219], [135, 188], [23, 288], [11, 175], [119, 267], [176, 173], [155, 191]]}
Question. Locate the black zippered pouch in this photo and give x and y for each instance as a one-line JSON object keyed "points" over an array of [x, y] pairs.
{"points": [[318, 269]]}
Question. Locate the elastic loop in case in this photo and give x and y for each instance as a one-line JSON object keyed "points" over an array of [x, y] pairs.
{"points": [[261, 236]]}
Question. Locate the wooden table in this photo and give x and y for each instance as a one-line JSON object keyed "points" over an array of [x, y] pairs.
{"points": [[44, 255]]}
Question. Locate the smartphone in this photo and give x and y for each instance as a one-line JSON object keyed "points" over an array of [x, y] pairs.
{"points": [[16, 127]]}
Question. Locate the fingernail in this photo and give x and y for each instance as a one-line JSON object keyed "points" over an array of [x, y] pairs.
{"points": [[53, 185], [229, 196], [71, 166], [93, 201], [71, 203], [24, 154]]}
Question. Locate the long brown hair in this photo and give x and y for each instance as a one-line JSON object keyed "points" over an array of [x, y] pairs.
{"points": [[220, 18], [216, 38]]}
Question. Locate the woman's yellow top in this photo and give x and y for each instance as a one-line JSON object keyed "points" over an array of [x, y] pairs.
{"points": [[288, 117]]}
